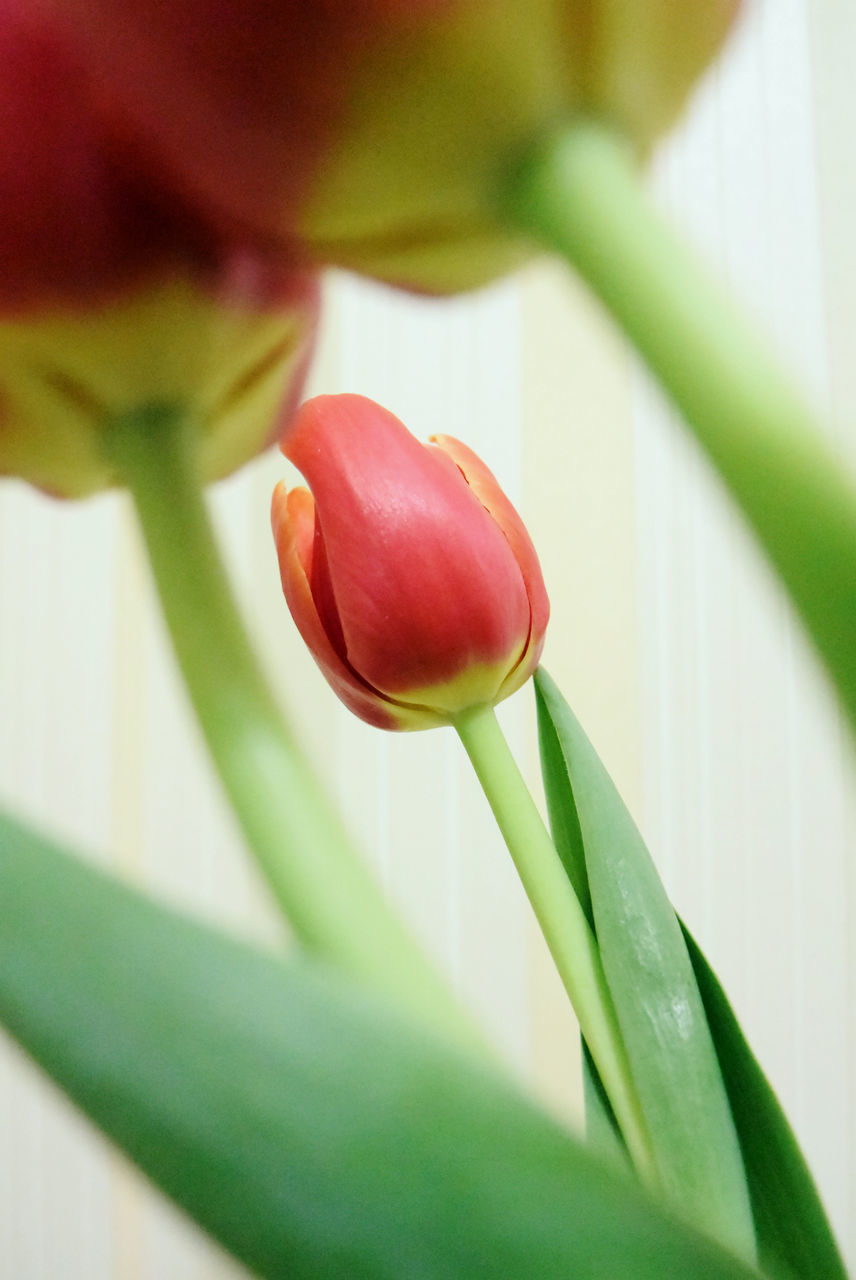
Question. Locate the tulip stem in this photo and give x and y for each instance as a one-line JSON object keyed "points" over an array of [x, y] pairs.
{"points": [[581, 195], [324, 888], [566, 930]]}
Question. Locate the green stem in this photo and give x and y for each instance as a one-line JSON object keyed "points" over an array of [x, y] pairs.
{"points": [[319, 880], [563, 923], [581, 195]]}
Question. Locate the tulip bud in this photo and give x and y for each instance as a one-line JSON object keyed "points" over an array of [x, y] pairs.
{"points": [[373, 134], [407, 571], [112, 298]]}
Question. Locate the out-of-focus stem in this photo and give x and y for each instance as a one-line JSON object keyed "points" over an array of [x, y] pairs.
{"points": [[580, 194], [321, 883]]}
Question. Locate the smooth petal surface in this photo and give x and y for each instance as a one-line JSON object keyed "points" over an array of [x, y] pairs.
{"points": [[293, 523], [426, 586], [483, 484]]}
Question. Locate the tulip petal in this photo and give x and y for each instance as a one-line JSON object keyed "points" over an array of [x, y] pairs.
{"points": [[643, 57], [76, 222], [483, 484], [231, 106], [427, 588], [294, 531]]}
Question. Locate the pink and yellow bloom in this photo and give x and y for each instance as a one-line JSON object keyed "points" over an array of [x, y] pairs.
{"points": [[373, 134], [408, 572]]}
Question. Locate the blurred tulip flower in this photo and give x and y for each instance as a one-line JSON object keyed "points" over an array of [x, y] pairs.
{"points": [[407, 571], [235, 369], [113, 296], [372, 134]]}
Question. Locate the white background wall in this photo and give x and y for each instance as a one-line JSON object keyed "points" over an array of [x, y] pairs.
{"points": [[668, 636]]}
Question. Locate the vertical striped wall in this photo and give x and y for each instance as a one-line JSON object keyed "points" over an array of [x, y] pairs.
{"points": [[670, 639], [748, 780]]}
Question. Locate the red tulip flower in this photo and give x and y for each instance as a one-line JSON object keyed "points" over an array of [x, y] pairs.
{"points": [[113, 296], [408, 572], [372, 134]]}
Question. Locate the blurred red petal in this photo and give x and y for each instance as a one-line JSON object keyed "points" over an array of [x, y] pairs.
{"points": [[232, 103], [75, 224]]}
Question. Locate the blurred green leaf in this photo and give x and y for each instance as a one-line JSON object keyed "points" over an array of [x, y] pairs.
{"points": [[310, 1130], [792, 1230]]}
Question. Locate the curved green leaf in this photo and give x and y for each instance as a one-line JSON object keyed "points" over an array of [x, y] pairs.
{"points": [[602, 1131], [791, 1225], [305, 1126], [792, 1230], [561, 805], [653, 987]]}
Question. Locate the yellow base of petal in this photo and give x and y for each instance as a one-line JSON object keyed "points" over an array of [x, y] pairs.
{"points": [[65, 375]]}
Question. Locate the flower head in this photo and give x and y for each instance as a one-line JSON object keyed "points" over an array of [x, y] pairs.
{"points": [[408, 572], [372, 134], [232, 364], [113, 296]]}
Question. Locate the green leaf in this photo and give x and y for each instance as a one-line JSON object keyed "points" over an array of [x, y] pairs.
{"points": [[790, 1222], [561, 807], [791, 1227], [602, 1131], [303, 1124], [651, 980]]}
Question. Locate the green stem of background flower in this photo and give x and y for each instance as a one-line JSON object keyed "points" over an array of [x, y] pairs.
{"points": [[327, 893], [581, 195], [566, 930]]}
